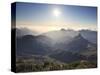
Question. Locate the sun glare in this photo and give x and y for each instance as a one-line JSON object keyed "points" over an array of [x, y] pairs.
{"points": [[56, 12]]}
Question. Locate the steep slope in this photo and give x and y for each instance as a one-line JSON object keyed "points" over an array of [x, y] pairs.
{"points": [[29, 45], [78, 44], [91, 36]]}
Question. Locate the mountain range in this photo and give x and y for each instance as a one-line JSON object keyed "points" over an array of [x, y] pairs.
{"points": [[62, 45]]}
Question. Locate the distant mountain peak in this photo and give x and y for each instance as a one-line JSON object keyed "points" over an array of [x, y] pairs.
{"points": [[62, 29]]}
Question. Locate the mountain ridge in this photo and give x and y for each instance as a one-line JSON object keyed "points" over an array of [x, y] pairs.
{"points": [[45, 45]]}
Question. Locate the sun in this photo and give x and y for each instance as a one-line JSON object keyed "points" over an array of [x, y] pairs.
{"points": [[56, 12]]}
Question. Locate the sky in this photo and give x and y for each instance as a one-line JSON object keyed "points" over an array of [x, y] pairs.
{"points": [[49, 17]]}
